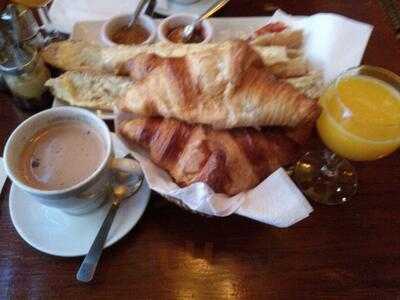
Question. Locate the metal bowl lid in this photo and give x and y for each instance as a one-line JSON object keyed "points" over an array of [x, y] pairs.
{"points": [[28, 23]]}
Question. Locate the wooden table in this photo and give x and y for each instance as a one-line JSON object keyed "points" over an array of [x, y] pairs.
{"points": [[351, 250]]}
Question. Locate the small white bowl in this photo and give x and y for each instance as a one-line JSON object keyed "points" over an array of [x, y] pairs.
{"points": [[111, 26], [183, 19]]}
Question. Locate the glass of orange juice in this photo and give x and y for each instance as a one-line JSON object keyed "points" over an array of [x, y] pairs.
{"points": [[360, 117], [360, 121]]}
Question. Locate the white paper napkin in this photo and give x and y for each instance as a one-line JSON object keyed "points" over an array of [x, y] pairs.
{"points": [[3, 174], [65, 13], [333, 43], [277, 201]]}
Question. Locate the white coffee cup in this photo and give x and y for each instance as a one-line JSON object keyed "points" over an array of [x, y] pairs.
{"points": [[81, 198]]}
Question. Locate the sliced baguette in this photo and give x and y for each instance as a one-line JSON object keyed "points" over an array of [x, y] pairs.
{"points": [[295, 67], [311, 85], [89, 90], [288, 38], [81, 56]]}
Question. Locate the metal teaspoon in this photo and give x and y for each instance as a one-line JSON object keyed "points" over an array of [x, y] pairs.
{"points": [[137, 11], [189, 29], [119, 192]]}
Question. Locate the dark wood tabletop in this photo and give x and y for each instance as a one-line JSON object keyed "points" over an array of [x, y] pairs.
{"points": [[351, 250]]}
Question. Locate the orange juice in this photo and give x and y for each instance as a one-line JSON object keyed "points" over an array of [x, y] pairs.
{"points": [[32, 3], [360, 118]]}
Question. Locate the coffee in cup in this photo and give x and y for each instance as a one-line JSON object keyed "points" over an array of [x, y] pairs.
{"points": [[61, 155]]}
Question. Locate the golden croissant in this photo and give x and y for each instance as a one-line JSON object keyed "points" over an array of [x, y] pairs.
{"points": [[224, 88], [102, 91], [229, 161]]}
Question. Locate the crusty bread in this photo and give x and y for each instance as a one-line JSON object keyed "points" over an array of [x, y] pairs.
{"points": [[81, 56], [89, 90], [294, 67], [277, 34], [311, 85], [288, 38], [229, 161]]}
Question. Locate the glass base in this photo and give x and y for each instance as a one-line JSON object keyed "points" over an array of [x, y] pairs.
{"points": [[325, 177]]}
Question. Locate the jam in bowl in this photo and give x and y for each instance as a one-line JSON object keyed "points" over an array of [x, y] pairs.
{"points": [[171, 29]]}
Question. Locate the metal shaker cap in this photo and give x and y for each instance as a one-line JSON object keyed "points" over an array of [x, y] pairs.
{"points": [[28, 23]]}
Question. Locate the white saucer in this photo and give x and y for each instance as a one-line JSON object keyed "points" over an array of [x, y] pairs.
{"points": [[54, 232], [177, 8]]}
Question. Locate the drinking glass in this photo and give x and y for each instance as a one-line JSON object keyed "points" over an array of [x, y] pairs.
{"points": [[360, 117], [360, 121], [325, 177]]}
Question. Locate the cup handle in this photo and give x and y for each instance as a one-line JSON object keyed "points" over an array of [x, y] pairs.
{"points": [[125, 165]]}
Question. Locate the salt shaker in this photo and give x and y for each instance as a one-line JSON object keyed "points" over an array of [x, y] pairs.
{"points": [[23, 70]]}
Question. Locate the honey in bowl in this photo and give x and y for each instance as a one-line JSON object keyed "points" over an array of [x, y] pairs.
{"points": [[134, 34], [361, 114]]}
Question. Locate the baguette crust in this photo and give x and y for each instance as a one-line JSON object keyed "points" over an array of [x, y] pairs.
{"points": [[311, 85], [295, 67], [277, 34], [289, 38], [89, 90], [81, 56]]}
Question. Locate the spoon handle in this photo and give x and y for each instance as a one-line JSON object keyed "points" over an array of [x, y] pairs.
{"points": [[89, 264], [212, 10], [137, 11]]}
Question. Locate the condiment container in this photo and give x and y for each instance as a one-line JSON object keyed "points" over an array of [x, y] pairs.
{"points": [[181, 20], [25, 75], [118, 22]]}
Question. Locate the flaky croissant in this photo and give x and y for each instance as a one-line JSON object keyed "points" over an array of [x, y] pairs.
{"points": [[229, 161], [225, 88]]}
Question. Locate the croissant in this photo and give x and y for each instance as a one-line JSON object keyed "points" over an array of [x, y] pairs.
{"points": [[229, 161], [103, 91], [225, 88]]}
